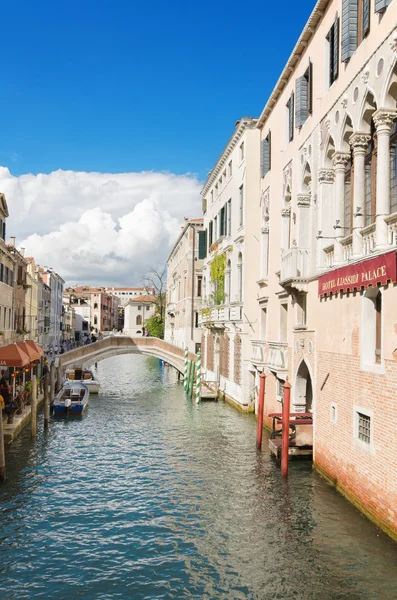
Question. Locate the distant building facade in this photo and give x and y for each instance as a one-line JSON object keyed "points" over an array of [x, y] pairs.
{"points": [[136, 313], [185, 287]]}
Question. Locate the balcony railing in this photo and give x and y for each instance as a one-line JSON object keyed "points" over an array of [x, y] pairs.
{"points": [[294, 264], [347, 245], [258, 352], [369, 239], [214, 315], [278, 356], [236, 313]]}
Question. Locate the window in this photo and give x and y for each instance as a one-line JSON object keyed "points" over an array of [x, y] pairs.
{"points": [[199, 286], [210, 233], [364, 428], [263, 323], [240, 277], [290, 111], [372, 331], [301, 310], [355, 25], [212, 196], [222, 221], [333, 413], [139, 307], [304, 96], [228, 281], [148, 308], [241, 206], [202, 244], [229, 218], [266, 155], [230, 168], [283, 322], [370, 180], [138, 320], [216, 236], [95, 320], [95, 304], [196, 320], [333, 51], [348, 205], [242, 151], [280, 387]]}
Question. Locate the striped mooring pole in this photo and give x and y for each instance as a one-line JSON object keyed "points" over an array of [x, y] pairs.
{"points": [[198, 377], [185, 384]]}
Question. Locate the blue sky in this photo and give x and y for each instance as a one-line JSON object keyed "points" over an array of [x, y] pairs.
{"points": [[116, 86]]}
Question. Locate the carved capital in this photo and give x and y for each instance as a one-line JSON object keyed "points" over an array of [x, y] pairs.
{"points": [[340, 160], [303, 200], [359, 142], [286, 212], [326, 176], [384, 120]]}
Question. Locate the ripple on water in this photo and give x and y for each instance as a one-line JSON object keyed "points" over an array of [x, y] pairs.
{"points": [[151, 496]]}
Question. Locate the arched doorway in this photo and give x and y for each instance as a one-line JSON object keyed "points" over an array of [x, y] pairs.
{"points": [[303, 389]]}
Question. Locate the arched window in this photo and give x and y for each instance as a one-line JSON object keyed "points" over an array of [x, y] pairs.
{"points": [[370, 179], [240, 278], [95, 320], [139, 320]]}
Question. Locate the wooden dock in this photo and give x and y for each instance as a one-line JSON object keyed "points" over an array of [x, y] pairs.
{"points": [[294, 449], [208, 392]]}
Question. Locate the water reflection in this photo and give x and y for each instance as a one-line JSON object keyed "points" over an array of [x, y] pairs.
{"points": [[151, 496]]}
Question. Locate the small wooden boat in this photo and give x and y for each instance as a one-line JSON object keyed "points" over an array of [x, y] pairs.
{"points": [[72, 399], [85, 376]]}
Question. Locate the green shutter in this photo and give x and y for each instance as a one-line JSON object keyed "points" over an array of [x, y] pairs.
{"points": [[301, 94], [291, 117], [202, 252], [365, 17], [349, 29], [265, 156], [381, 5], [335, 49]]}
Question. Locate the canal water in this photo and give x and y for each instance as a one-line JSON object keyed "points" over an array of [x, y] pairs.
{"points": [[150, 496]]}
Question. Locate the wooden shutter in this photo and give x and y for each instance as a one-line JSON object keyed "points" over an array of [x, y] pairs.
{"points": [[291, 117], [210, 234], [301, 93], [265, 158], [4, 230], [381, 5], [365, 17], [349, 29], [309, 78], [335, 49], [1, 271], [202, 252]]}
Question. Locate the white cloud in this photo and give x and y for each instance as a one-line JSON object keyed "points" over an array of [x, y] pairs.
{"points": [[99, 228]]}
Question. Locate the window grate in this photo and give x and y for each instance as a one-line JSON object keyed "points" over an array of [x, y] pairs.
{"points": [[364, 428]]}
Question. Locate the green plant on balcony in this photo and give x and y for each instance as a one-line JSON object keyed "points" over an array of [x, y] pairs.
{"points": [[206, 312], [217, 274]]}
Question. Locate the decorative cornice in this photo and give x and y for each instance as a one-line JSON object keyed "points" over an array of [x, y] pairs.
{"points": [[359, 142], [326, 176], [384, 120], [303, 200], [340, 159]]}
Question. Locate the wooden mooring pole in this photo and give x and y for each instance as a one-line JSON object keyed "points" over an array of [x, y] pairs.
{"points": [[261, 404], [46, 400], [285, 429], [2, 452], [52, 383], [33, 406]]}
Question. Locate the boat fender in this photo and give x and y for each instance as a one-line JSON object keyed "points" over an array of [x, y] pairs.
{"points": [[68, 403]]}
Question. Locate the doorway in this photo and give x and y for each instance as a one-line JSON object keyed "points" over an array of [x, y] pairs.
{"points": [[303, 389]]}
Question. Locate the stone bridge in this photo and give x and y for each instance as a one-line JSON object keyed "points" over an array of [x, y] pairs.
{"points": [[121, 344]]}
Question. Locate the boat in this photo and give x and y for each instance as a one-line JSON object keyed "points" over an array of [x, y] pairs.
{"points": [[85, 376], [71, 399]]}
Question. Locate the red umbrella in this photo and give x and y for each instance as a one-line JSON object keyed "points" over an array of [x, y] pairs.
{"points": [[35, 347], [13, 356], [31, 352]]}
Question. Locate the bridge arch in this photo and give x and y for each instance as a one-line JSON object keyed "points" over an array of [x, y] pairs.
{"points": [[117, 344]]}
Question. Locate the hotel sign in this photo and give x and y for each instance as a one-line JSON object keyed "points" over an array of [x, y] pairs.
{"points": [[364, 274]]}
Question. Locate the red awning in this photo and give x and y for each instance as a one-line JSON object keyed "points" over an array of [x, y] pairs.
{"points": [[31, 352], [35, 347], [13, 356]]}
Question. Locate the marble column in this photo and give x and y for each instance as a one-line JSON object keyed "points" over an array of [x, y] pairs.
{"points": [[359, 143], [340, 161], [326, 178], [384, 120]]}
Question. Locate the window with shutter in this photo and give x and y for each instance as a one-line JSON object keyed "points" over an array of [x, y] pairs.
{"points": [[333, 46], [210, 232], [301, 92], [381, 5], [290, 107], [365, 19], [202, 252], [266, 155], [349, 28]]}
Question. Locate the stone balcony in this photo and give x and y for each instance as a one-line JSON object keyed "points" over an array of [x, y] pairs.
{"points": [[270, 355], [216, 316], [259, 353], [294, 266]]}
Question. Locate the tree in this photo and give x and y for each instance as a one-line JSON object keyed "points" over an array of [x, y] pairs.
{"points": [[155, 326], [157, 279]]}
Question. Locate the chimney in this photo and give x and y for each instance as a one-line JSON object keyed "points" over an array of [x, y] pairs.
{"points": [[22, 251], [12, 241]]}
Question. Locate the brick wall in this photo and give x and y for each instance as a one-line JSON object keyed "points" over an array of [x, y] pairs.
{"points": [[237, 359], [224, 356], [368, 477]]}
